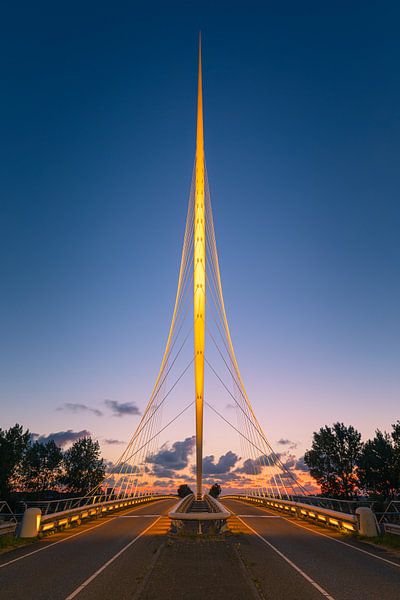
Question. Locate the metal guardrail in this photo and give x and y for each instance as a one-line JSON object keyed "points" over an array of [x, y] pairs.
{"points": [[8, 521], [391, 528], [392, 512], [63, 504], [343, 506], [303, 510], [7, 528], [390, 519], [75, 515], [34, 522], [339, 505]]}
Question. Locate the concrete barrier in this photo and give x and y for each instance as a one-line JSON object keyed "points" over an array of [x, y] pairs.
{"points": [[217, 512], [30, 523], [366, 522]]}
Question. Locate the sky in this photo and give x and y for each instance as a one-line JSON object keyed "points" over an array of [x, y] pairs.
{"points": [[302, 140]]}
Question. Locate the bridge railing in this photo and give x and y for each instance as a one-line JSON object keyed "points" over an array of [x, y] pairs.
{"points": [[343, 506], [63, 504], [34, 522], [304, 510], [390, 519], [8, 520]]}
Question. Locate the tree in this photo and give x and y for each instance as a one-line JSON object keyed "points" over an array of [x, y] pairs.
{"points": [[396, 450], [215, 490], [13, 445], [396, 435], [41, 467], [184, 490], [377, 466], [83, 467], [333, 458]]}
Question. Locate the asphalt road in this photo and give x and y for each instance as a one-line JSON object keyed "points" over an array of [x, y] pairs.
{"points": [[102, 559], [124, 556], [292, 560]]}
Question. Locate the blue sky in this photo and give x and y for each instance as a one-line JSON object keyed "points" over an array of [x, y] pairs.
{"points": [[302, 130]]}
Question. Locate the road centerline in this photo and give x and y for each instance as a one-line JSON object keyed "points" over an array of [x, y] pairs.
{"points": [[311, 581], [109, 562], [260, 516]]}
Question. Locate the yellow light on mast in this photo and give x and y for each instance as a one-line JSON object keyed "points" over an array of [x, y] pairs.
{"points": [[199, 291]]}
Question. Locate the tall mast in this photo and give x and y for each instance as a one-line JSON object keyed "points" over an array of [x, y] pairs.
{"points": [[199, 291]]}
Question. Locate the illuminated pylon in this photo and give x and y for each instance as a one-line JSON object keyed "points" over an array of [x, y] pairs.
{"points": [[199, 279], [200, 263]]}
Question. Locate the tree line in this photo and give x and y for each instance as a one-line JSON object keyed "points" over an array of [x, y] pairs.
{"points": [[31, 466], [341, 464], [345, 467]]}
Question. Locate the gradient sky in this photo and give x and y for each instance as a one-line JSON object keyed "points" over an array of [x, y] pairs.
{"points": [[302, 134]]}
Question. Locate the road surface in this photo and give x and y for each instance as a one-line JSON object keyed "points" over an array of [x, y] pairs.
{"points": [[127, 555], [76, 564], [292, 559]]}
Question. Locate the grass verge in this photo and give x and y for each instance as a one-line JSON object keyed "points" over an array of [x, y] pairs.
{"points": [[386, 540], [8, 542]]}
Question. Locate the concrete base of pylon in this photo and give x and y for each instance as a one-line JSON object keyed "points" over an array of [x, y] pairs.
{"points": [[191, 515]]}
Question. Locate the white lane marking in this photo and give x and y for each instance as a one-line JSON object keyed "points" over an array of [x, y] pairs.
{"points": [[345, 544], [291, 563], [109, 562], [138, 516], [69, 537], [261, 516], [333, 539]]}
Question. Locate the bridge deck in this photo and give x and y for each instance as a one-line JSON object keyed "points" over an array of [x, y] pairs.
{"points": [[199, 506], [128, 555]]}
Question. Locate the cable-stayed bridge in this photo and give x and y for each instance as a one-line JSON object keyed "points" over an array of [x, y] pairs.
{"points": [[199, 343], [291, 545]]}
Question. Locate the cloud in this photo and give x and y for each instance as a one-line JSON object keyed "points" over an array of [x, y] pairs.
{"points": [[223, 478], [289, 461], [286, 442], [164, 484], [62, 438], [161, 472], [301, 465], [229, 406], [250, 467], [77, 408], [176, 457], [112, 442], [255, 466], [119, 409], [286, 475], [224, 464]]}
